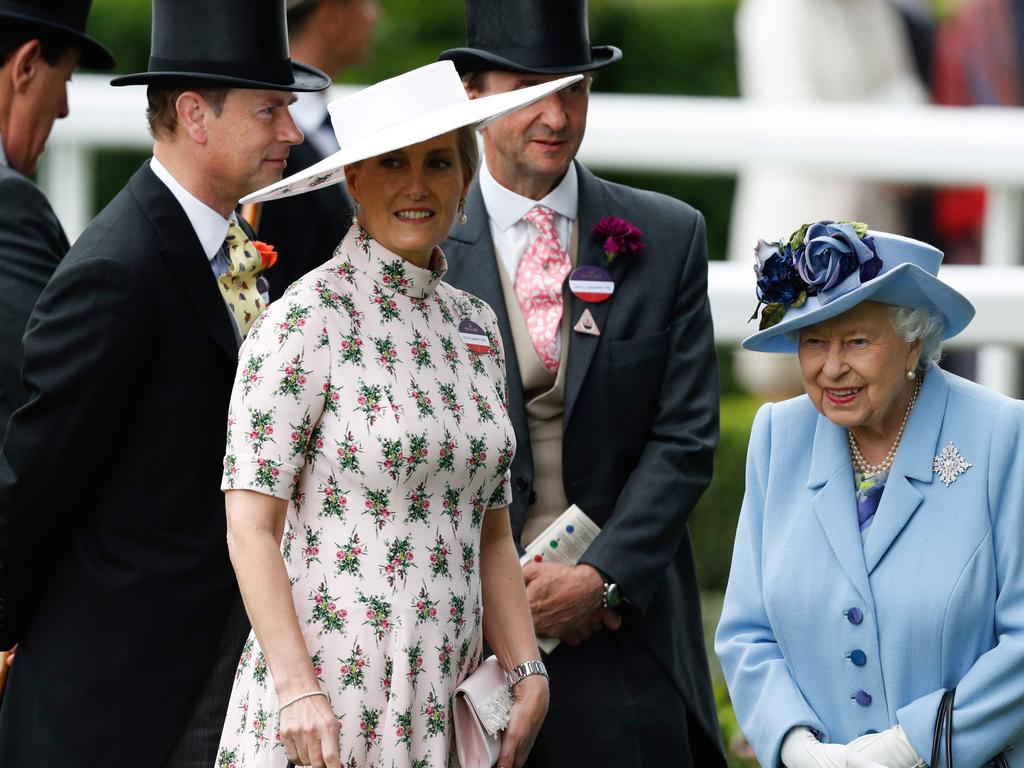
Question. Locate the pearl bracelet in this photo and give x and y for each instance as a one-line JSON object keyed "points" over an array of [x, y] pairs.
{"points": [[299, 698]]}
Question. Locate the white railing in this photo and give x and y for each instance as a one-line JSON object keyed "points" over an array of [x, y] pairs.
{"points": [[927, 145]]}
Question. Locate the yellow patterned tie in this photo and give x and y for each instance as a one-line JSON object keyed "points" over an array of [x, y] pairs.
{"points": [[239, 282]]}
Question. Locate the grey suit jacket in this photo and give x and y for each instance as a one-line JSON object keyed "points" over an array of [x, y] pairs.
{"points": [[641, 410], [32, 243]]}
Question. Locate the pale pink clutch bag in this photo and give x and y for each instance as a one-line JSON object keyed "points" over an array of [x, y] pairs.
{"points": [[483, 704]]}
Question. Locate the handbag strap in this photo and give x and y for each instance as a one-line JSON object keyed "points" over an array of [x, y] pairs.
{"points": [[943, 729], [944, 732]]}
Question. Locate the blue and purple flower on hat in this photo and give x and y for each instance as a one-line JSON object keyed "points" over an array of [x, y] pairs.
{"points": [[826, 259]]}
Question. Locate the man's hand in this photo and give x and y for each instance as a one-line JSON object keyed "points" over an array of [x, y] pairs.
{"points": [[565, 601]]}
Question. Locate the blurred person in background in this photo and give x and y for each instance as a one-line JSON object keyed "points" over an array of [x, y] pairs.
{"points": [[331, 35], [838, 51], [40, 46], [114, 573], [879, 557], [614, 402]]}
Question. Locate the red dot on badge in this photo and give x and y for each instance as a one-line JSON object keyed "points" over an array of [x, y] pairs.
{"points": [[537, 558]]}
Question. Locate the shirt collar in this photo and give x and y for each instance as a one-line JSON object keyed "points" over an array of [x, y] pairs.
{"points": [[506, 207], [211, 228], [3, 155]]}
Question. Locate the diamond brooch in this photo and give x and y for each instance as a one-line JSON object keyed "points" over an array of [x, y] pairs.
{"points": [[949, 464]]}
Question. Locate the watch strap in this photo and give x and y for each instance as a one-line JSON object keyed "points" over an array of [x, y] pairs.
{"points": [[520, 672]]}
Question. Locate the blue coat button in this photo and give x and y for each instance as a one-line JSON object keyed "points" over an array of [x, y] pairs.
{"points": [[855, 616], [863, 698], [858, 657]]}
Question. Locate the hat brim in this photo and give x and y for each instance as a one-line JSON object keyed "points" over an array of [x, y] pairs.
{"points": [[906, 285], [478, 112], [94, 55], [477, 60], [306, 79]]}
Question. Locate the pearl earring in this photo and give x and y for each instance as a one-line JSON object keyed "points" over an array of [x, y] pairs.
{"points": [[463, 218], [911, 375]]}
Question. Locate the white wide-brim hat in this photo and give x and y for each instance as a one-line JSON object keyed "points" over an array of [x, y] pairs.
{"points": [[399, 112], [908, 277]]}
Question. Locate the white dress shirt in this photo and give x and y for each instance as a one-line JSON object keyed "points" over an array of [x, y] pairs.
{"points": [[3, 155], [310, 113], [512, 235]]}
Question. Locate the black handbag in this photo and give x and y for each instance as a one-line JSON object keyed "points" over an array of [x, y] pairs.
{"points": [[944, 733]]}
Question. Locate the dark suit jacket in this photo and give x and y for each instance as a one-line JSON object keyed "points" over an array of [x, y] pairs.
{"points": [[304, 229], [641, 412], [114, 572], [32, 244]]}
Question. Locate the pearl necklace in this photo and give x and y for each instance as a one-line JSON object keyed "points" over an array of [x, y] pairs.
{"points": [[875, 469]]}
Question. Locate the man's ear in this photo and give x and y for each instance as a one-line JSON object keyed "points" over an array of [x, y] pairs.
{"points": [[193, 113], [24, 65]]}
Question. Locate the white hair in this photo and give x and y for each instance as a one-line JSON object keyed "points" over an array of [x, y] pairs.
{"points": [[919, 323]]}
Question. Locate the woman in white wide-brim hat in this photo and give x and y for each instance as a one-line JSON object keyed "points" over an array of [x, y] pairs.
{"points": [[368, 429], [878, 558]]}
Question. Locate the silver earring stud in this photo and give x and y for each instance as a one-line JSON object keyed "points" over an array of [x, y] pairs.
{"points": [[911, 375]]}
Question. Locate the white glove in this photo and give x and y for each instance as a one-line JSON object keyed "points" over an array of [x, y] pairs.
{"points": [[801, 749], [890, 748]]}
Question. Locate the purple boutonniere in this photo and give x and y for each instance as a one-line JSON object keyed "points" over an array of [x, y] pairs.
{"points": [[618, 236]]}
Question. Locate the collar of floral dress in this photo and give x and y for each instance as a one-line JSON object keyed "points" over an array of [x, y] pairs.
{"points": [[394, 275]]}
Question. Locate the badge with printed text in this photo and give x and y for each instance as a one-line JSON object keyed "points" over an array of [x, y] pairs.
{"points": [[591, 283], [474, 338]]}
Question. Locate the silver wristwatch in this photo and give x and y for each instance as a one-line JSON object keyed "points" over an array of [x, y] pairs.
{"points": [[520, 672]]}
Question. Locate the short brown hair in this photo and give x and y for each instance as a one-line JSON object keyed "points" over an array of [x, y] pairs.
{"points": [[162, 113]]}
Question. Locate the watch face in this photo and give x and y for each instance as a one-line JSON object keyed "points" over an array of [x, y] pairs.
{"points": [[613, 597]]}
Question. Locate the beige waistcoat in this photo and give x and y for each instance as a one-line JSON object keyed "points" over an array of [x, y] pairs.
{"points": [[544, 394]]}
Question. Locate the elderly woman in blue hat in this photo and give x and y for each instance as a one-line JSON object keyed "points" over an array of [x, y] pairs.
{"points": [[879, 559]]}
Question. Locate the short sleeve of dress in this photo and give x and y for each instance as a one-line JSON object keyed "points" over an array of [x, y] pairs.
{"points": [[502, 494], [283, 375]]}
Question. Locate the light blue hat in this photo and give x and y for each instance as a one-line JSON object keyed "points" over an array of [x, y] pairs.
{"points": [[907, 276]]}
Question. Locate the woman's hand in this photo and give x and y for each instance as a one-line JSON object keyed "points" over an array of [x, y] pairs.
{"points": [[891, 748], [801, 749], [309, 732], [528, 710]]}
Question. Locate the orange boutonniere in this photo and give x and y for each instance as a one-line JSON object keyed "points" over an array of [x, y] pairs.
{"points": [[267, 254]]}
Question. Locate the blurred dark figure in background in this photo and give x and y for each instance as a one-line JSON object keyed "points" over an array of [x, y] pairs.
{"points": [[332, 35], [40, 46]]}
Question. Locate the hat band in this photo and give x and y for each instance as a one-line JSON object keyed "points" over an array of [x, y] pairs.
{"points": [[34, 12], [560, 56], [279, 72]]}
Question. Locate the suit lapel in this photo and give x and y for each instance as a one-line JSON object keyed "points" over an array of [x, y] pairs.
{"points": [[593, 206], [901, 498], [478, 275], [835, 504], [184, 255]]}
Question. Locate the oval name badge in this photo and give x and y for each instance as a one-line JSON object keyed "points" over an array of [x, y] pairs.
{"points": [[591, 283], [473, 336]]}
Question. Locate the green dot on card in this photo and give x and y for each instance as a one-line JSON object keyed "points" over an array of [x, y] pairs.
{"points": [[554, 543]]}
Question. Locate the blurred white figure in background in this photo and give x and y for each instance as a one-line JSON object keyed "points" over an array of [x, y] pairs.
{"points": [[805, 51]]}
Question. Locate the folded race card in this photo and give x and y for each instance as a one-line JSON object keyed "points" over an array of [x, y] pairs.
{"points": [[564, 541]]}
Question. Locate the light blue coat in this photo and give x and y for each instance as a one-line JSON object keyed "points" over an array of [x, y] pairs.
{"points": [[939, 580]]}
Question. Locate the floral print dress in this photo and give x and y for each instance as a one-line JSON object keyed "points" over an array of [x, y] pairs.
{"points": [[358, 401]]}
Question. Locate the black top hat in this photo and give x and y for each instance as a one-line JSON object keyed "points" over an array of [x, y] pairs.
{"points": [[536, 36], [233, 43], [65, 17]]}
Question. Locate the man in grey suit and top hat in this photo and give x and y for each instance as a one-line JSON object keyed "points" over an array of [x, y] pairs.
{"points": [[114, 574], [41, 44], [601, 295]]}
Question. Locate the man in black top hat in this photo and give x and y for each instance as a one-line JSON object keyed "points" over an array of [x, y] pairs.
{"points": [[613, 394], [114, 573], [40, 46], [332, 35]]}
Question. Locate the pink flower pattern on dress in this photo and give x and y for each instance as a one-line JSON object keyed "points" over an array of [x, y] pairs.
{"points": [[538, 286]]}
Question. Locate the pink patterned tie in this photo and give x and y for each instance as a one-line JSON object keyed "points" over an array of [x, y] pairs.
{"points": [[538, 286]]}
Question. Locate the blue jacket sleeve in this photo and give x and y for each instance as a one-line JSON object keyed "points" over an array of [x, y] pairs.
{"points": [[766, 698], [988, 714]]}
